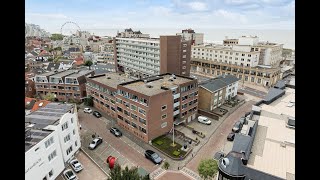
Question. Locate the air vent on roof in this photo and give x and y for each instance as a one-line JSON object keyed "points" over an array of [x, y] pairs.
{"points": [[40, 104], [145, 81], [170, 79], [148, 85], [225, 162], [108, 77]]}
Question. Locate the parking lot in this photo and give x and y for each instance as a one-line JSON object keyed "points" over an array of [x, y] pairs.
{"points": [[89, 169], [122, 148]]}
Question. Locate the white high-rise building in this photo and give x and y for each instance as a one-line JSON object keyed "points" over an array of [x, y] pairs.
{"points": [[270, 53], [51, 140]]}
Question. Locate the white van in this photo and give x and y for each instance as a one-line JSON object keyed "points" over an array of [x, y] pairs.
{"points": [[204, 120]]}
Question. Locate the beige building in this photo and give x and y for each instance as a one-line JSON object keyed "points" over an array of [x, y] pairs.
{"points": [[214, 92], [252, 75], [129, 33]]}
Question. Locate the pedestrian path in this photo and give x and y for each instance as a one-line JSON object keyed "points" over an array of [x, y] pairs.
{"points": [[190, 173], [156, 173]]}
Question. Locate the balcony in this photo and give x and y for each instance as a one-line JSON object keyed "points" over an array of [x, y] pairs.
{"points": [[176, 104], [176, 112], [175, 96]]}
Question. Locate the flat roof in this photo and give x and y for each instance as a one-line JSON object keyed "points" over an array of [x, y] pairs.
{"points": [[36, 121], [110, 79], [64, 73], [156, 83], [273, 148], [79, 73]]}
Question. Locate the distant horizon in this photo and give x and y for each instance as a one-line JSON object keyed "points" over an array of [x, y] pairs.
{"points": [[105, 14]]}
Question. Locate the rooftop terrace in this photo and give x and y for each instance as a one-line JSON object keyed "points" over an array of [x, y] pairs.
{"points": [[152, 86]]}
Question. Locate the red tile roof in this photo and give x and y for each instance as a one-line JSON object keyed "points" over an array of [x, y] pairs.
{"points": [[36, 105], [79, 60]]}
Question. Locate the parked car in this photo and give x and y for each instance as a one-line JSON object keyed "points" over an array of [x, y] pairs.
{"points": [[218, 155], [115, 131], [154, 157], [87, 110], [237, 127], [231, 136], [76, 165], [95, 143], [96, 114], [291, 123], [204, 120], [70, 175], [242, 120]]}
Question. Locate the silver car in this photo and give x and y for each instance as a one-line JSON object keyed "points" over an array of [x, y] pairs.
{"points": [[76, 165], [70, 175]]}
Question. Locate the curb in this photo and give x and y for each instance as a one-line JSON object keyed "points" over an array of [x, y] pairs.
{"points": [[95, 162]]}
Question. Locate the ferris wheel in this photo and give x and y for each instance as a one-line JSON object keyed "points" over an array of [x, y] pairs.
{"points": [[70, 30]]}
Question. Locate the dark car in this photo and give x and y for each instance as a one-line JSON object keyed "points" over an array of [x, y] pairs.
{"points": [[96, 114], [231, 136], [237, 127], [154, 157], [218, 155], [116, 132], [95, 143]]}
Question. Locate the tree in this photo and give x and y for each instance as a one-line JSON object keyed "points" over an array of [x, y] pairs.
{"points": [[88, 101], [128, 174], [88, 63], [56, 37], [50, 59], [49, 97], [166, 165], [208, 168]]}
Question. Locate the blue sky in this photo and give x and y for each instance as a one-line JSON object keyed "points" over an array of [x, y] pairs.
{"points": [[110, 14]]}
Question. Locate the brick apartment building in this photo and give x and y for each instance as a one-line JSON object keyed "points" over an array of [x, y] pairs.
{"points": [[29, 85], [103, 89], [145, 57], [65, 84], [147, 107]]}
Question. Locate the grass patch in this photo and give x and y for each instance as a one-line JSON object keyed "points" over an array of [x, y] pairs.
{"points": [[176, 153], [166, 147], [159, 142]]}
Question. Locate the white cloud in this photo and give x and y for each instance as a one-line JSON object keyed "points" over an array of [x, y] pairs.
{"points": [[160, 10], [52, 16], [197, 6], [227, 15], [238, 2]]}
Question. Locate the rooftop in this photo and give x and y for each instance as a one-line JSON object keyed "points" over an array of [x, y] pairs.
{"points": [[155, 83], [273, 149], [217, 83], [110, 79], [36, 121]]}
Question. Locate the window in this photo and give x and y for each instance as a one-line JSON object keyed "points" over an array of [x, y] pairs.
{"points": [[164, 116], [142, 129], [52, 155], [246, 78], [67, 138], [49, 142], [51, 173], [71, 120], [119, 109], [142, 111], [119, 100], [76, 143], [134, 125], [248, 60], [65, 126], [249, 55], [120, 117], [126, 113], [74, 132], [242, 55], [259, 80], [184, 67], [184, 50], [164, 107], [127, 121], [135, 117], [69, 150], [163, 125], [252, 79], [133, 107], [143, 121]]}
